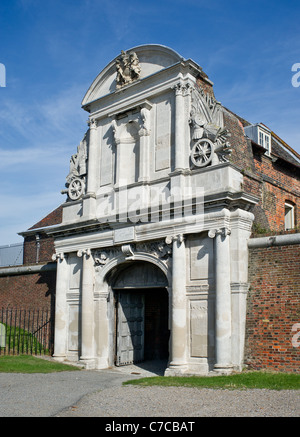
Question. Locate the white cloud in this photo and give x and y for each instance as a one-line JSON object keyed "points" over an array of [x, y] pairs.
{"points": [[35, 147], [11, 159]]}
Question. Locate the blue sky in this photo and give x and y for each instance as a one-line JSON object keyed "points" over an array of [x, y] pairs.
{"points": [[53, 50]]}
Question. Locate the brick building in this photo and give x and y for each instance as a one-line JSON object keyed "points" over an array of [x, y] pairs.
{"points": [[268, 173]]}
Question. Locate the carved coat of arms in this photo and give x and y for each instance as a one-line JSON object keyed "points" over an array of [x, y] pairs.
{"points": [[128, 68]]}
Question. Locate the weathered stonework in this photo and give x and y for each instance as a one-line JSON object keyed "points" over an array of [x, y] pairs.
{"points": [[160, 212], [152, 248]]}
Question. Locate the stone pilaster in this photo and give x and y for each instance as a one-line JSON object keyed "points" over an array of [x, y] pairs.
{"points": [[89, 201], [179, 127], [223, 358], [87, 309], [178, 350], [60, 330]]}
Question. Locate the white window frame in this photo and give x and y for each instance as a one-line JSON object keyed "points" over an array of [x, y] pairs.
{"points": [[264, 140], [289, 216]]}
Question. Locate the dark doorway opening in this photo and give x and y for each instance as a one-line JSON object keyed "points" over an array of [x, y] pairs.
{"points": [[156, 324], [142, 331]]}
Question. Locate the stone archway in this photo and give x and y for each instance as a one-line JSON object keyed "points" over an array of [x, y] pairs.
{"points": [[141, 313]]}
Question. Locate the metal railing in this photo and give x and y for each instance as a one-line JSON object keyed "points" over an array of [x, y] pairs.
{"points": [[28, 332]]}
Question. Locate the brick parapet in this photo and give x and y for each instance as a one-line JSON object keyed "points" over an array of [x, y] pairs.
{"points": [[273, 181]]}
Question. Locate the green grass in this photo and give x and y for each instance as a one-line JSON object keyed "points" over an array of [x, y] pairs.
{"points": [[31, 364], [244, 380]]}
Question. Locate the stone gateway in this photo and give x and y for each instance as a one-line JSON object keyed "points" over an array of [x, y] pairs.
{"points": [[152, 255]]}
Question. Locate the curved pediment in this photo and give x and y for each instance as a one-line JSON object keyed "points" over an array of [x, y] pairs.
{"points": [[152, 58]]}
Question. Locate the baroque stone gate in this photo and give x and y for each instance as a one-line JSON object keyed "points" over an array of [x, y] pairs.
{"points": [[155, 215]]}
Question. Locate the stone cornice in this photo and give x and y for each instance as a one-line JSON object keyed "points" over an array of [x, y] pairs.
{"points": [[100, 238], [213, 206]]}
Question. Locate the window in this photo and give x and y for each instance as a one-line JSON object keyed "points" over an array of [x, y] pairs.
{"points": [[264, 141], [260, 134], [288, 216]]}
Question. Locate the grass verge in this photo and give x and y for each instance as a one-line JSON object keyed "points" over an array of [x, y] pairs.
{"points": [[31, 364], [244, 380]]}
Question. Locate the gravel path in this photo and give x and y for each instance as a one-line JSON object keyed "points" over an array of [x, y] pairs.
{"points": [[135, 401], [101, 394], [45, 395]]}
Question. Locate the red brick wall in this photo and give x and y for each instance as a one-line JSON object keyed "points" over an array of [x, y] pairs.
{"points": [[272, 182], [33, 290], [46, 244], [28, 291], [273, 308], [45, 252], [280, 184]]}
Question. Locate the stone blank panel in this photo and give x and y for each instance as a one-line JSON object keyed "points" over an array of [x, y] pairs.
{"points": [[201, 259], [75, 272], [163, 135], [199, 328], [73, 328], [106, 159]]}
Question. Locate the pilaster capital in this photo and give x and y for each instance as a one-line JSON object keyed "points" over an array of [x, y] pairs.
{"points": [[171, 238], [92, 123], [58, 256], [182, 89], [82, 252], [221, 231], [179, 89], [187, 89]]}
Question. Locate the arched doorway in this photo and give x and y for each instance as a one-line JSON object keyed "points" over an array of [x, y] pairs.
{"points": [[141, 313]]}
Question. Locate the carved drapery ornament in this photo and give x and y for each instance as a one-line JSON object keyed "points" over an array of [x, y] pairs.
{"points": [[160, 249], [128, 68], [135, 124]]}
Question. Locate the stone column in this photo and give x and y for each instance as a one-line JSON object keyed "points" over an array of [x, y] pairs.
{"points": [[60, 330], [92, 158], [87, 309], [223, 300], [89, 202], [178, 308]]}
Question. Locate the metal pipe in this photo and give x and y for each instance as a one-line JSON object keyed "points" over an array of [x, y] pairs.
{"points": [[274, 240], [21, 270]]}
